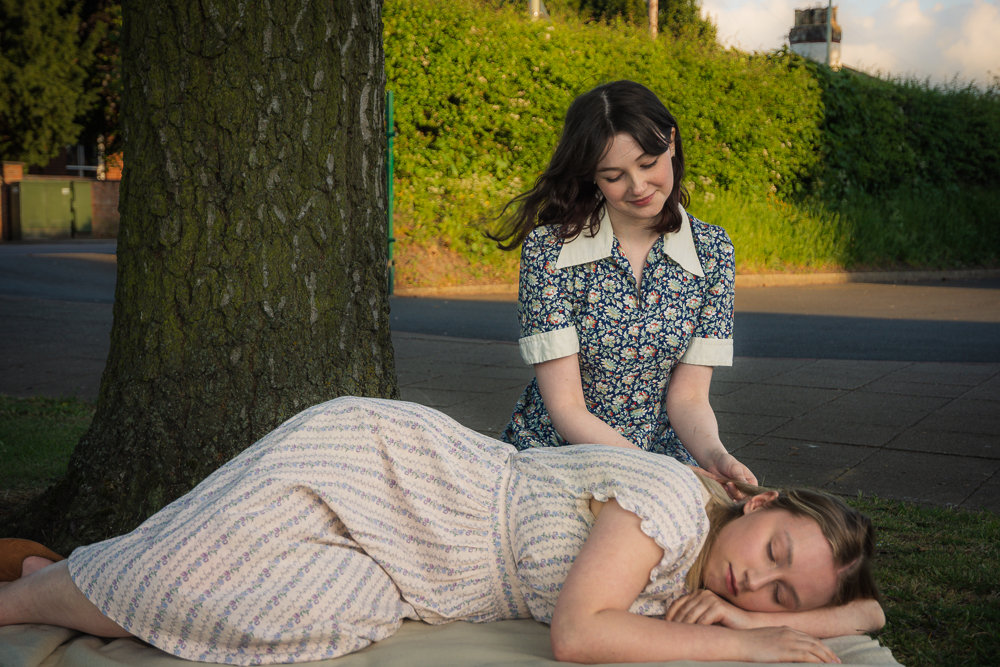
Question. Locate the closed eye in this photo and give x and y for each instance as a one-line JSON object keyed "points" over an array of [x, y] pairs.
{"points": [[651, 164]]}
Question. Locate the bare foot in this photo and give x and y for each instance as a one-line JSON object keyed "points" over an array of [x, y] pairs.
{"points": [[33, 564]]}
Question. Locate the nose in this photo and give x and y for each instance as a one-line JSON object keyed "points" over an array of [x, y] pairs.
{"points": [[757, 579], [638, 185]]}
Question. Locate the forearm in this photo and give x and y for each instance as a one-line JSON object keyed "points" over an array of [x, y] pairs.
{"points": [[561, 388], [578, 426], [614, 635], [695, 424], [855, 618]]}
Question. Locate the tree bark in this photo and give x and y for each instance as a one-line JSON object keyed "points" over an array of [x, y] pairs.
{"points": [[654, 18], [252, 252]]}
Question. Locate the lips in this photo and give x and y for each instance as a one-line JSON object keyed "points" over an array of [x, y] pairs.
{"points": [[644, 201]]}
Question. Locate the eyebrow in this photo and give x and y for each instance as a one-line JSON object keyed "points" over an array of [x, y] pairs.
{"points": [[644, 155]]}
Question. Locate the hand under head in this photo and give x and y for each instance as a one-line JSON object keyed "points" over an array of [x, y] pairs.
{"points": [[771, 560], [793, 550]]}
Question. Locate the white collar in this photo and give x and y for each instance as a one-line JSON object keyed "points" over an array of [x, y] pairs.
{"points": [[678, 246]]}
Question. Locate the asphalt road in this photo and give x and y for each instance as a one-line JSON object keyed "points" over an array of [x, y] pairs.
{"points": [[956, 321], [953, 321]]}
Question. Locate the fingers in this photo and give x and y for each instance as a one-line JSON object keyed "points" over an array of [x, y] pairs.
{"points": [[795, 646], [701, 608]]}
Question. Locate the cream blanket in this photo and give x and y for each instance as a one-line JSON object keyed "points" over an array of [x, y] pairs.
{"points": [[524, 643]]}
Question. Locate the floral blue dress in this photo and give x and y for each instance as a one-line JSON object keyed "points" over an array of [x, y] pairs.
{"points": [[580, 297]]}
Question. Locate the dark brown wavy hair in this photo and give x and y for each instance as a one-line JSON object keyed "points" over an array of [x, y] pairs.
{"points": [[566, 194]]}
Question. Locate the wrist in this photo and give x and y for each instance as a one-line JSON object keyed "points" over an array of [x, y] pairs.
{"points": [[712, 458]]}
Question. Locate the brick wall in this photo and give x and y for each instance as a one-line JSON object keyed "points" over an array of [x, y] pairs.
{"points": [[104, 201]]}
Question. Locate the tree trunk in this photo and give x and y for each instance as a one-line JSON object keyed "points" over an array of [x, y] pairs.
{"points": [[654, 18], [252, 252]]}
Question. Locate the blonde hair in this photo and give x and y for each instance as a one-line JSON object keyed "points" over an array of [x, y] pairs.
{"points": [[850, 533]]}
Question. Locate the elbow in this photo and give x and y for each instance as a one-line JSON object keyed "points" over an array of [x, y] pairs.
{"points": [[564, 651], [568, 645]]}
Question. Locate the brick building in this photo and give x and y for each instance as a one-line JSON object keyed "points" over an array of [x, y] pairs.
{"points": [[27, 191]]}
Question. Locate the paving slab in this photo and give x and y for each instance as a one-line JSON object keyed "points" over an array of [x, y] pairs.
{"points": [[777, 400], [780, 474], [930, 479], [919, 439], [736, 442], [736, 422], [965, 415], [836, 373], [845, 432], [721, 387], [809, 452], [888, 385], [986, 497], [752, 369], [883, 409], [989, 390], [945, 373]]}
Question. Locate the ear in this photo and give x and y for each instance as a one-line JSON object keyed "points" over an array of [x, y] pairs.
{"points": [[755, 503]]}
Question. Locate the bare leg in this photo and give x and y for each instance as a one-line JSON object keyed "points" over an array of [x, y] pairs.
{"points": [[49, 596]]}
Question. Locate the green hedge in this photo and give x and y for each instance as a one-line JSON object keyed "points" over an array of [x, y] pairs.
{"points": [[810, 168], [880, 135], [481, 94]]}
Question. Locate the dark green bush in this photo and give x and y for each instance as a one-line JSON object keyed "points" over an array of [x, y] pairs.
{"points": [[880, 135]]}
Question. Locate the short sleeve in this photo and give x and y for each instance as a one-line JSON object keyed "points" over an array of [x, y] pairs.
{"points": [[672, 513], [712, 339], [545, 307]]}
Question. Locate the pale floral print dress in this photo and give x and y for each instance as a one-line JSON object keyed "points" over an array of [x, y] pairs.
{"points": [[323, 536]]}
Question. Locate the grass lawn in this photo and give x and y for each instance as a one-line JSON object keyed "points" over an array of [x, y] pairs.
{"points": [[939, 569], [37, 436]]}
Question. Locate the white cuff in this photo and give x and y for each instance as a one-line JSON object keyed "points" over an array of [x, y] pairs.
{"points": [[549, 345], [709, 352]]}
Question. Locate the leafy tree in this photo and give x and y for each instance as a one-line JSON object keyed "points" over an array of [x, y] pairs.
{"points": [[43, 78], [252, 253], [101, 124], [679, 17]]}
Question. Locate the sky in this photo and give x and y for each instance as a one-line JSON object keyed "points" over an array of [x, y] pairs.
{"points": [[934, 39]]}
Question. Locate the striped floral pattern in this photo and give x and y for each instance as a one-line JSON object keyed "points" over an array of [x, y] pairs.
{"points": [[358, 513]]}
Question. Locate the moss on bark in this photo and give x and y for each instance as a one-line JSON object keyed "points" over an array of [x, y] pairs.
{"points": [[252, 251]]}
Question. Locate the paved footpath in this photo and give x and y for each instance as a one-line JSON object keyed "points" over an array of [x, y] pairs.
{"points": [[926, 432]]}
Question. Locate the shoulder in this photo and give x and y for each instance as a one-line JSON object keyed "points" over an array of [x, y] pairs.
{"points": [[712, 237], [541, 243], [715, 248]]}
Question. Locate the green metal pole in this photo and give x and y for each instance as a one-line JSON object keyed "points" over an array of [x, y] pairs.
{"points": [[390, 132]]}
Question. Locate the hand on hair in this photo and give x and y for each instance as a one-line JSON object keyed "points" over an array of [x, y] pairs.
{"points": [[729, 487], [704, 607], [728, 467]]}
